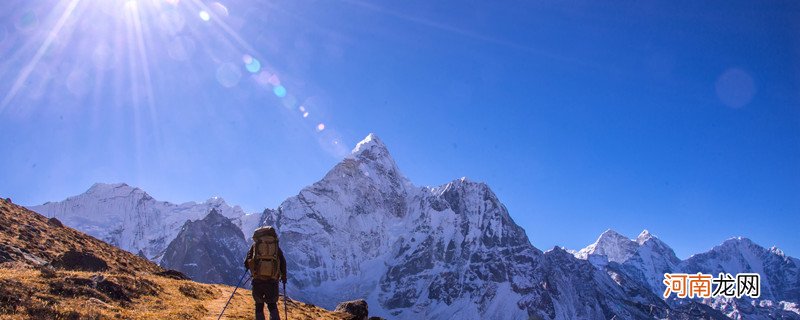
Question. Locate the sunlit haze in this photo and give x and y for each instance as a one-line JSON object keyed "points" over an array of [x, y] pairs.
{"points": [[682, 118]]}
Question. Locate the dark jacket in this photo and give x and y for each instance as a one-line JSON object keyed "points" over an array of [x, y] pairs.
{"points": [[249, 259]]}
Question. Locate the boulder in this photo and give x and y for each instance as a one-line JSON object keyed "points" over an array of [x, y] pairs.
{"points": [[55, 222], [357, 309], [173, 274], [5, 256], [79, 261]]}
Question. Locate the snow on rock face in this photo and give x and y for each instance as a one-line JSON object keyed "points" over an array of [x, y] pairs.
{"points": [[780, 280], [646, 258], [452, 251], [129, 218], [575, 289], [461, 241], [614, 246], [647, 262], [446, 252]]}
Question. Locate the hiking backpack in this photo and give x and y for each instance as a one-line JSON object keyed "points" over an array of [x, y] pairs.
{"points": [[265, 262]]}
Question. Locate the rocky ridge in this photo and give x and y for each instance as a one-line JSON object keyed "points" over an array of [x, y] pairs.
{"points": [[365, 231]]}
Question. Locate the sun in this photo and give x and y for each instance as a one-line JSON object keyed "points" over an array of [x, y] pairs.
{"points": [[124, 55]]}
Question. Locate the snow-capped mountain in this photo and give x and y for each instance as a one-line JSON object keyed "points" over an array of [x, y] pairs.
{"points": [[780, 278], [647, 258], [210, 250], [614, 246], [443, 252], [130, 219]]}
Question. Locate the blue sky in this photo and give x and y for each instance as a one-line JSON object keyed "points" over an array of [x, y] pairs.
{"points": [[681, 117]]}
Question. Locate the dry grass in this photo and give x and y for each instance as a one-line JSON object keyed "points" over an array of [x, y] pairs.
{"points": [[28, 293], [129, 289], [28, 237]]}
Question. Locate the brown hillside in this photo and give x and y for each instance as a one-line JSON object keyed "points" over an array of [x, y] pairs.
{"points": [[28, 238], [48, 271]]}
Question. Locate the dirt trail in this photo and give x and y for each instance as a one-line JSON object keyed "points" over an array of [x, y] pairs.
{"points": [[215, 306], [241, 307]]}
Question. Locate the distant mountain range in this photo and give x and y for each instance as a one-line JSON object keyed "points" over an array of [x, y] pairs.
{"points": [[451, 251], [131, 219], [51, 271]]}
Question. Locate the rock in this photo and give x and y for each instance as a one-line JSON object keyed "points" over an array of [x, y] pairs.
{"points": [[48, 272], [5, 256], [55, 222], [173, 274], [80, 261], [111, 289], [210, 250], [357, 309]]}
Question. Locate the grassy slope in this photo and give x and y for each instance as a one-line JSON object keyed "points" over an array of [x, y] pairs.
{"points": [[130, 289]]}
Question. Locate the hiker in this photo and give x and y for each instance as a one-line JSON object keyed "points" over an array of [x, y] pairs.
{"points": [[267, 265]]}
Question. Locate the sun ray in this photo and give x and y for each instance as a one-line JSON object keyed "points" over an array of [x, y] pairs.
{"points": [[26, 71], [130, 65], [225, 27], [141, 46]]}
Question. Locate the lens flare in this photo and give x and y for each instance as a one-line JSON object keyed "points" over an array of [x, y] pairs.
{"points": [[219, 9], [735, 88], [273, 80], [262, 77], [279, 91], [320, 127], [251, 64], [204, 15], [27, 22]]}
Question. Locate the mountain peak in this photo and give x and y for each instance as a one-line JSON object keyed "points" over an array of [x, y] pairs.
{"points": [[370, 158], [463, 183], [777, 251], [112, 189], [100, 186], [611, 244], [368, 143], [611, 234], [214, 215], [738, 242], [216, 201], [644, 236]]}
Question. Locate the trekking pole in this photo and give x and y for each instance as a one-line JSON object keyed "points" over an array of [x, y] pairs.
{"points": [[285, 308], [234, 292]]}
